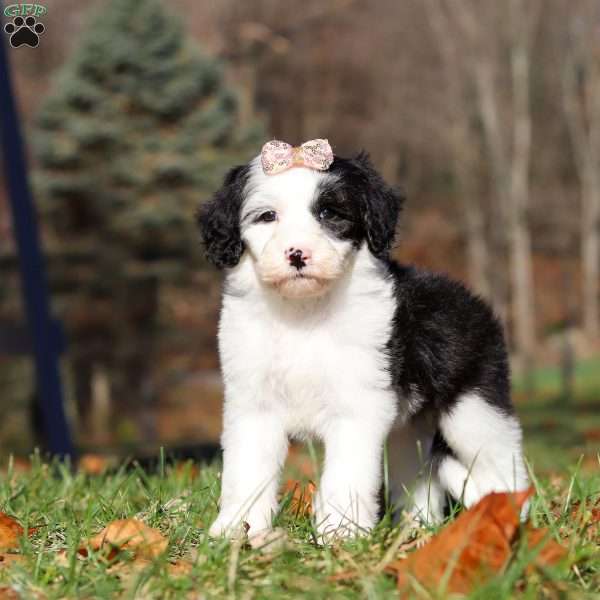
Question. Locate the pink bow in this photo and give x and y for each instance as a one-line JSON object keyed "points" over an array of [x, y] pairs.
{"points": [[277, 156]]}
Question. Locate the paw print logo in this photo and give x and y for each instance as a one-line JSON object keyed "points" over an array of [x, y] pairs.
{"points": [[24, 32]]}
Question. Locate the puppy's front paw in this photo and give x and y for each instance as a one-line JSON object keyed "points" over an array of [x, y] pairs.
{"points": [[336, 520], [229, 528], [235, 524]]}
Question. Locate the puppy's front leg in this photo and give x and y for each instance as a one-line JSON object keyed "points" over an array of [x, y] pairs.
{"points": [[254, 449], [347, 501]]}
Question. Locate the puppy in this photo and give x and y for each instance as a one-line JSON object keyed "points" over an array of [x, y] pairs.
{"points": [[322, 334]]}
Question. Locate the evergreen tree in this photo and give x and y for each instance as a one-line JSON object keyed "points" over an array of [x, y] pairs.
{"points": [[139, 124], [138, 128]]}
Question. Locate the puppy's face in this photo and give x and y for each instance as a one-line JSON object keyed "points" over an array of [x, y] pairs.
{"points": [[300, 227]]}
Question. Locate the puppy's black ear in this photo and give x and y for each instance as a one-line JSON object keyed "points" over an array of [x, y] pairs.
{"points": [[381, 206], [219, 220]]}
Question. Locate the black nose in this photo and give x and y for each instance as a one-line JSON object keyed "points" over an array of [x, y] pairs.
{"points": [[296, 259]]}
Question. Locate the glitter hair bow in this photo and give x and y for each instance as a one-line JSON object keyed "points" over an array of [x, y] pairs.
{"points": [[278, 156]]}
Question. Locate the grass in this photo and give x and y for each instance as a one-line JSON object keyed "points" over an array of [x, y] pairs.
{"points": [[67, 507]]}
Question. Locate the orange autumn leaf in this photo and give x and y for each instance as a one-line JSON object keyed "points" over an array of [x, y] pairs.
{"points": [[10, 532], [7, 593], [95, 464], [128, 534], [9, 559], [186, 469], [477, 544], [300, 462], [302, 497], [549, 551]]}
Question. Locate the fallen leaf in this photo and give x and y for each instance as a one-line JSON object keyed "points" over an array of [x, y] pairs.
{"points": [[300, 461], [549, 551], [592, 435], [590, 463], [9, 558], [17, 464], [476, 545], [186, 470], [95, 464], [128, 534], [129, 575], [302, 497], [179, 568], [7, 593], [10, 532]]}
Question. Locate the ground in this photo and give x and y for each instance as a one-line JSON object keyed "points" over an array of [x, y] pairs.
{"points": [[66, 507]]}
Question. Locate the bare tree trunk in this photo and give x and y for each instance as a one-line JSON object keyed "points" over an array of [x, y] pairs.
{"points": [[477, 247], [520, 241], [590, 253], [581, 97], [509, 156], [462, 144]]}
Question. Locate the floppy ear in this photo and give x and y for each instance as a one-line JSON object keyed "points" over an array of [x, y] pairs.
{"points": [[219, 220], [381, 205]]}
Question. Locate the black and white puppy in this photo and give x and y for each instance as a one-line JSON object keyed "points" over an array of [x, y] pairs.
{"points": [[322, 334]]}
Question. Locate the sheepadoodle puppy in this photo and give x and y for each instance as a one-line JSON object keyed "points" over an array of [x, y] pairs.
{"points": [[323, 335]]}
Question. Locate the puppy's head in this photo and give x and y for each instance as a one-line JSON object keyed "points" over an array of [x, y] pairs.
{"points": [[300, 227]]}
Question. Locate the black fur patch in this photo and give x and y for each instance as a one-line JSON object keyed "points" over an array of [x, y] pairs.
{"points": [[445, 342], [365, 206], [219, 220]]}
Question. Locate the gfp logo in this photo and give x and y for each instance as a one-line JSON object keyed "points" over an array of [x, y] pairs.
{"points": [[25, 29]]}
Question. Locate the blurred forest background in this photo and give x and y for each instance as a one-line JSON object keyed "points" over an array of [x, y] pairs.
{"points": [[487, 113]]}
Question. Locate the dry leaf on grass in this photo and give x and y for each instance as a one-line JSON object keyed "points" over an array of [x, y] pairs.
{"points": [[186, 470], [549, 551], [179, 568], [475, 546], [7, 593], [10, 532], [9, 559], [300, 461], [128, 534], [302, 497], [95, 464], [592, 435]]}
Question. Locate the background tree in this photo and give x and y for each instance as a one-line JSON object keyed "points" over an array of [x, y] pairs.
{"points": [[138, 125], [581, 94], [497, 46]]}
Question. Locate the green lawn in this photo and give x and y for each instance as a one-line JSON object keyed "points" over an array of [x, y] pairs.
{"points": [[68, 507]]}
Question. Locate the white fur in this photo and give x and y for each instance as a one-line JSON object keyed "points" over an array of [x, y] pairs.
{"points": [[488, 457], [488, 448], [303, 366], [304, 356], [289, 194]]}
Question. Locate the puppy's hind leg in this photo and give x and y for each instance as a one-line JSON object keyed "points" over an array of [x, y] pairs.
{"points": [[486, 443]]}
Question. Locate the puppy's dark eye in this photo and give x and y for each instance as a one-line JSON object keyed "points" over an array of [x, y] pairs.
{"points": [[267, 217], [326, 214]]}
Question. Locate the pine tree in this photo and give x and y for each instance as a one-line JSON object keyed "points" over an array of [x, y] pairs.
{"points": [[138, 128], [139, 125]]}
